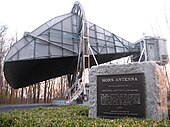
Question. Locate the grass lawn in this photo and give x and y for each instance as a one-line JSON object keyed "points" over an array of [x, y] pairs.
{"points": [[70, 116]]}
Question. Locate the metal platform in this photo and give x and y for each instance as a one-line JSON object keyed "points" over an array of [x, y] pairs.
{"points": [[52, 50]]}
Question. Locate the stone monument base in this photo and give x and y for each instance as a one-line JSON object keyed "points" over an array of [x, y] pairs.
{"points": [[129, 90]]}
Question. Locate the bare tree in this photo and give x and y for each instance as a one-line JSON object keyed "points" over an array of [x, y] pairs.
{"points": [[38, 92], [34, 93], [48, 89], [45, 92], [2, 33], [22, 93], [167, 20], [12, 95], [30, 94]]}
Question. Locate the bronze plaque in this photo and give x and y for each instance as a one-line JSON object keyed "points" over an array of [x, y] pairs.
{"points": [[121, 96]]}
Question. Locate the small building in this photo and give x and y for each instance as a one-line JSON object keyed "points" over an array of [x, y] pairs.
{"points": [[152, 49]]}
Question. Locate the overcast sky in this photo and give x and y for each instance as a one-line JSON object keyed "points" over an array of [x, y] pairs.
{"points": [[129, 19]]}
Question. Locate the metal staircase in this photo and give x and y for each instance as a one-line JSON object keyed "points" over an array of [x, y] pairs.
{"points": [[79, 88], [79, 85]]}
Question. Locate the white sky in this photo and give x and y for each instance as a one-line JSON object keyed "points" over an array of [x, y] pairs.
{"points": [[128, 19]]}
